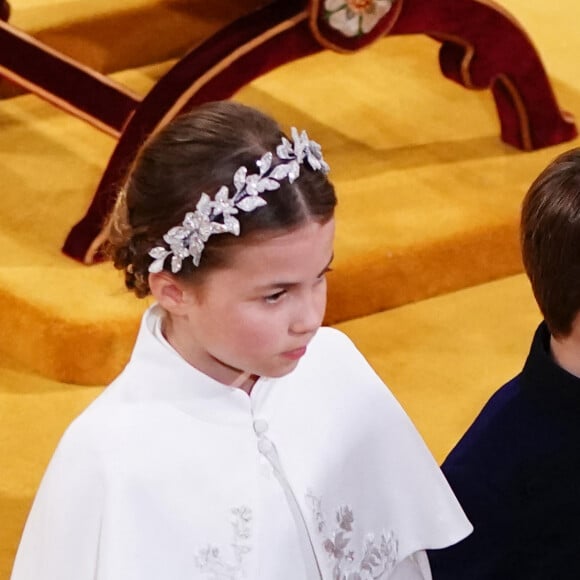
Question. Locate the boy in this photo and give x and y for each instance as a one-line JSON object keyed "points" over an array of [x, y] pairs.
{"points": [[516, 471]]}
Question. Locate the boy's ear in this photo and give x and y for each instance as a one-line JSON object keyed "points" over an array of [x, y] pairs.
{"points": [[169, 292]]}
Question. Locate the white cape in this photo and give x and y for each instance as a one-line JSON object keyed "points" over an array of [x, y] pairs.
{"points": [[170, 475]]}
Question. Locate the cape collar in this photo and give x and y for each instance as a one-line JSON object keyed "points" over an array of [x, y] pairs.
{"points": [[157, 372]]}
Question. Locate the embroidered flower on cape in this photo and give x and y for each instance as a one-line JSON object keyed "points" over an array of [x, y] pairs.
{"points": [[376, 559], [355, 17], [211, 561]]}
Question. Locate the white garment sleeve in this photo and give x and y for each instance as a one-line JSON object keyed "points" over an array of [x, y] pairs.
{"points": [[61, 536], [414, 567]]}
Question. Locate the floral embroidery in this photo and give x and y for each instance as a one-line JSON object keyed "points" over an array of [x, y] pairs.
{"points": [[211, 561], [355, 17], [378, 557]]}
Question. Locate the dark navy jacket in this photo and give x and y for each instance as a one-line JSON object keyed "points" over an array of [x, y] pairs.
{"points": [[516, 472]]}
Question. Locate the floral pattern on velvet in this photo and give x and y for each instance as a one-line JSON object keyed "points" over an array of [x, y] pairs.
{"points": [[355, 17]]}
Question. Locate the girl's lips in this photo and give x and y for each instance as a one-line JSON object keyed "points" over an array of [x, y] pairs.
{"points": [[295, 354]]}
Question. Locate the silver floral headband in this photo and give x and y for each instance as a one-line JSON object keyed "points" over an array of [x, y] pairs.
{"points": [[217, 216]]}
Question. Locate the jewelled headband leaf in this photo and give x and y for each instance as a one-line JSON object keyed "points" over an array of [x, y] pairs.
{"points": [[216, 216]]}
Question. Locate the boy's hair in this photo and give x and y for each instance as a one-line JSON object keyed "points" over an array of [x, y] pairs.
{"points": [[550, 241], [198, 153]]}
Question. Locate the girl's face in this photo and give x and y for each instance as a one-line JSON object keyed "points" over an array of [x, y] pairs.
{"points": [[258, 314]]}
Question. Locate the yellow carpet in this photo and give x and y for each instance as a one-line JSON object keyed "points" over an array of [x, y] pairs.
{"points": [[428, 204]]}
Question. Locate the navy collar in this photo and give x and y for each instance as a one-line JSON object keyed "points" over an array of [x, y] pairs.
{"points": [[547, 382]]}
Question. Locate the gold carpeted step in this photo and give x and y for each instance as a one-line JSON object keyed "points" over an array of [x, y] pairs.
{"points": [[114, 35], [442, 357], [428, 199]]}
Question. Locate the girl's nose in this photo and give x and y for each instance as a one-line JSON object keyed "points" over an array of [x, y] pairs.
{"points": [[309, 314]]}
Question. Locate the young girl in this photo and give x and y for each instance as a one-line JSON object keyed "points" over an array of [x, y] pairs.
{"points": [[241, 440]]}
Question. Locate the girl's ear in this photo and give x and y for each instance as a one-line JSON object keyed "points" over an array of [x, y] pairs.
{"points": [[169, 292]]}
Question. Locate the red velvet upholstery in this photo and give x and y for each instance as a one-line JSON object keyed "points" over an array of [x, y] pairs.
{"points": [[4, 10], [64, 82]]}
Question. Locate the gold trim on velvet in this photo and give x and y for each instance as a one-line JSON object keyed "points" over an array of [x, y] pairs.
{"points": [[59, 102], [465, 61], [228, 61], [521, 111], [524, 120]]}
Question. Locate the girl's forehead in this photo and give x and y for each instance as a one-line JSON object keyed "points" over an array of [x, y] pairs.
{"points": [[299, 253], [312, 237]]}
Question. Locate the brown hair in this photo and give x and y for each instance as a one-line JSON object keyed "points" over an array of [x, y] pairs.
{"points": [[200, 152], [550, 241]]}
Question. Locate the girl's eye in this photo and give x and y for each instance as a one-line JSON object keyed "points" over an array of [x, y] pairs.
{"points": [[273, 298]]}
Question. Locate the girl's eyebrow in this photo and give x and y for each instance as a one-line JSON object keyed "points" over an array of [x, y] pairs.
{"points": [[288, 285]]}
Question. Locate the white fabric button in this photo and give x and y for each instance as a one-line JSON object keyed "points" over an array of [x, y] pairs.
{"points": [[260, 426], [264, 446]]}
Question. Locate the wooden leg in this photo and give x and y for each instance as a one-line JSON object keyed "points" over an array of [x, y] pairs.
{"points": [[484, 47], [86, 94], [240, 52]]}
